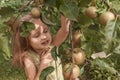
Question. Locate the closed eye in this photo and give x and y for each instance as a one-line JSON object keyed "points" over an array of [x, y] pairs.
{"points": [[46, 30], [37, 34]]}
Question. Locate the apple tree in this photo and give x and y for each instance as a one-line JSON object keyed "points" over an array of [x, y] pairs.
{"points": [[92, 49]]}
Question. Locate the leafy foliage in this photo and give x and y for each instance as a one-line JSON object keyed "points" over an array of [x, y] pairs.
{"points": [[115, 5], [46, 72], [11, 3], [5, 48], [26, 28], [54, 54], [9, 72], [95, 37], [68, 11]]}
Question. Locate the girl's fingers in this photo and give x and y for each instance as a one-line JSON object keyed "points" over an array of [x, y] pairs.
{"points": [[68, 23], [65, 21]]}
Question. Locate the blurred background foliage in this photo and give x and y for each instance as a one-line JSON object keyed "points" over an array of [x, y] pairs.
{"points": [[95, 37]]}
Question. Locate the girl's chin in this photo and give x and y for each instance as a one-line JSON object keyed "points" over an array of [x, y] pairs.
{"points": [[45, 46]]}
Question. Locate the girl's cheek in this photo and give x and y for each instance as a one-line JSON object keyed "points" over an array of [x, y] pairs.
{"points": [[35, 41]]}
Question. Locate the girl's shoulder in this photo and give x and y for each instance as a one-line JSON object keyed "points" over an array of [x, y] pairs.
{"points": [[31, 55], [35, 58]]}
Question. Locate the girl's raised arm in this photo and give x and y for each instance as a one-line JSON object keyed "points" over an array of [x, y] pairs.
{"points": [[62, 33]]}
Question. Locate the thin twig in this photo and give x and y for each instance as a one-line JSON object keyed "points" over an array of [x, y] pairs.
{"points": [[24, 6], [71, 42]]}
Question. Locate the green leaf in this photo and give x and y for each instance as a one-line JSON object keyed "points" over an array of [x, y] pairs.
{"points": [[84, 20], [5, 10], [69, 10], [117, 49], [45, 72], [84, 3], [3, 28], [54, 54], [30, 26], [82, 70], [104, 66], [109, 30], [47, 21], [24, 34], [26, 28], [5, 46], [109, 35], [116, 5], [51, 2]]}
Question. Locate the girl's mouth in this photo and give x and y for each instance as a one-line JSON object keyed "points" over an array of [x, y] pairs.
{"points": [[45, 42]]}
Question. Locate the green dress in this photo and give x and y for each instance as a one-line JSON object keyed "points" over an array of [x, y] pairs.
{"points": [[56, 74]]}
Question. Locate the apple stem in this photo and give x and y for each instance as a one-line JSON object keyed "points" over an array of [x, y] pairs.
{"points": [[93, 3]]}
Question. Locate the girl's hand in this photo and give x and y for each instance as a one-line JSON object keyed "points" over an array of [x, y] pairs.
{"points": [[46, 58], [65, 22], [37, 78]]}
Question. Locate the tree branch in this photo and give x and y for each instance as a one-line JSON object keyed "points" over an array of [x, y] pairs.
{"points": [[71, 42]]}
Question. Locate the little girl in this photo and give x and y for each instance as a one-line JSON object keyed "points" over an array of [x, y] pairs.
{"points": [[34, 51]]}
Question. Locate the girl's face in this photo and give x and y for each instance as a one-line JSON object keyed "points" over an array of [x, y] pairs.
{"points": [[40, 37]]}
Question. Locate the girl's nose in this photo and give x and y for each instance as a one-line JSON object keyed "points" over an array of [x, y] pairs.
{"points": [[43, 36]]}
